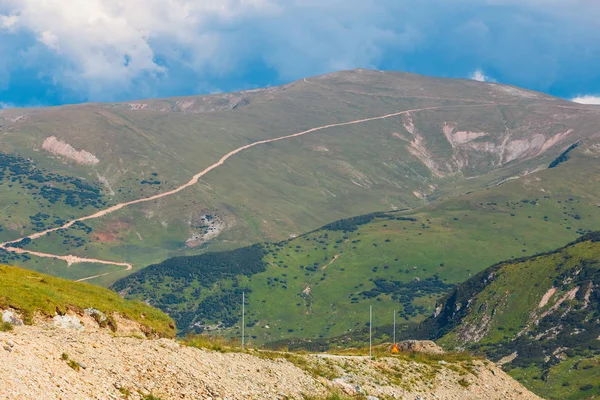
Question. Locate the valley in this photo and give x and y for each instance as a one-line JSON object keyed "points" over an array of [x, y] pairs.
{"points": [[405, 260]]}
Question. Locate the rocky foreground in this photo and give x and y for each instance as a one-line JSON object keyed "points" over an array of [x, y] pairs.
{"points": [[68, 359]]}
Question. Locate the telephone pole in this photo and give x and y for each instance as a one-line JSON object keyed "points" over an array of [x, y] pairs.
{"points": [[370, 332], [243, 316], [394, 326]]}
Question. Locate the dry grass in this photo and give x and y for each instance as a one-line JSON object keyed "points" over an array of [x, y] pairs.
{"points": [[420, 357], [335, 395], [215, 343]]}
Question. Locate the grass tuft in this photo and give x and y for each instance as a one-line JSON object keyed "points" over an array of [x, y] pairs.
{"points": [[335, 395], [464, 383], [151, 397], [6, 327], [214, 343]]}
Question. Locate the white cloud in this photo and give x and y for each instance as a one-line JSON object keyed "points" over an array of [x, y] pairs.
{"points": [[587, 100], [75, 50], [8, 21], [112, 42], [104, 46], [4, 106], [479, 75]]}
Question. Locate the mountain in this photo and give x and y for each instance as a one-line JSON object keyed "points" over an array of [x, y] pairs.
{"points": [[320, 284], [263, 165], [60, 339], [537, 316]]}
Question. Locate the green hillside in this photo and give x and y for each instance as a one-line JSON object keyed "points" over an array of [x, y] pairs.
{"points": [[319, 285], [34, 294], [539, 314], [463, 136]]}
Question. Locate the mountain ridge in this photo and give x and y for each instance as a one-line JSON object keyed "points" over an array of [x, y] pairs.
{"points": [[277, 88]]}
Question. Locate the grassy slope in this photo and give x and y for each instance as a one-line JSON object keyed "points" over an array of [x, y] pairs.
{"points": [[32, 293], [451, 240], [559, 354], [289, 187]]}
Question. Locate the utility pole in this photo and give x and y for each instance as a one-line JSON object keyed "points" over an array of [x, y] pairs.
{"points": [[370, 332], [394, 326], [243, 316]]}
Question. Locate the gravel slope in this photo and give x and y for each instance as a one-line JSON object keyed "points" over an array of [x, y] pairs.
{"points": [[32, 367]]}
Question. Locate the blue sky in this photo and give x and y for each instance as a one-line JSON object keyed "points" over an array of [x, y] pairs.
{"points": [[56, 51]]}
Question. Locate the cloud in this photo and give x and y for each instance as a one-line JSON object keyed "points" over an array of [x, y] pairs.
{"points": [[478, 75], [587, 100], [106, 45], [108, 50]]}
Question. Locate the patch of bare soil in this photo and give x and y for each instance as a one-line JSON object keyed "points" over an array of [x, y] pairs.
{"points": [[111, 232]]}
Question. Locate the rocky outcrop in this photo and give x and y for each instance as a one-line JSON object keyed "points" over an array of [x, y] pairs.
{"points": [[68, 322], [11, 317], [63, 149], [420, 346]]}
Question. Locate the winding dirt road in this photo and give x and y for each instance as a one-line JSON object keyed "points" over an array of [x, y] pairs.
{"points": [[70, 259]]}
